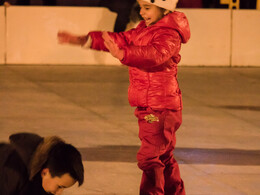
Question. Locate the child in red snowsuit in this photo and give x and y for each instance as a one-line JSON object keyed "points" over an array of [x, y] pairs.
{"points": [[151, 51]]}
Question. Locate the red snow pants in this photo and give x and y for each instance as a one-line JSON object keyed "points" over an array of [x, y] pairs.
{"points": [[161, 174]]}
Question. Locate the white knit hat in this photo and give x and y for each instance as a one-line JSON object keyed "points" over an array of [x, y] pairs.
{"points": [[166, 4]]}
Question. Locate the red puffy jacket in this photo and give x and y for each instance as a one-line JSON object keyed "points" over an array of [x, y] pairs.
{"points": [[152, 54]]}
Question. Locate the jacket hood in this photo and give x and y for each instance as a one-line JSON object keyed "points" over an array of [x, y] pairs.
{"points": [[25, 144], [177, 21], [33, 150]]}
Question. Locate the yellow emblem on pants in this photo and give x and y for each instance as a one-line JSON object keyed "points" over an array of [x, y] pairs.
{"points": [[150, 118]]}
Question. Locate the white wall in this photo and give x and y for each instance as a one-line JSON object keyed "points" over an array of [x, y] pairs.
{"points": [[32, 34], [210, 38], [2, 35], [246, 38]]}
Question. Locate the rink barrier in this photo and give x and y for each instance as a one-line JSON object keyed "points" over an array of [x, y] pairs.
{"points": [[219, 37], [246, 38]]}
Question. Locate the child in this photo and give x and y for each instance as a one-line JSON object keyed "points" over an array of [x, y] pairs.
{"points": [[151, 51]]}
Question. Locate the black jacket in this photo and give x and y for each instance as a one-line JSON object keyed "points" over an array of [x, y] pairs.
{"points": [[21, 162]]}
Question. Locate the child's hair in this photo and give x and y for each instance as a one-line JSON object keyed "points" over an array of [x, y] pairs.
{"points": [[65, 158], [135, 13]]}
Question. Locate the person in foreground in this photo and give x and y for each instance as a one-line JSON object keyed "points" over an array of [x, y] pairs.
{"points": [[151, 51], [33, 165]]}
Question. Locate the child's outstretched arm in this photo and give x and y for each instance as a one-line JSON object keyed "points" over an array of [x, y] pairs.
{"points": [[69, 38], [98, 40]]}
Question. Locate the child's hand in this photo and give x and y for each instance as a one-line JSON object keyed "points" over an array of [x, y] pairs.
{"points": [[112, 46], [66, 37]]}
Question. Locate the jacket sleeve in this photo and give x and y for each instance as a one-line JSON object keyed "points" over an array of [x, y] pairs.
{"points": [[164, 45], [122, 39]]}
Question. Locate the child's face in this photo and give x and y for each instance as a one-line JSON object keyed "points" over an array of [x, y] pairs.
{"points": [[150, 13]]}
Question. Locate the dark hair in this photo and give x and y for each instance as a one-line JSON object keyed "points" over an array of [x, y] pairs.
{"points": [[65, 158]]}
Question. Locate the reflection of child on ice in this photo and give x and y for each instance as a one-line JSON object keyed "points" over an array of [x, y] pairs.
{"points": [[151, 51]]}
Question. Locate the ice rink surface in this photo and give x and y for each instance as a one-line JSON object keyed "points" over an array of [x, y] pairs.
{"points": [[218, 144]]}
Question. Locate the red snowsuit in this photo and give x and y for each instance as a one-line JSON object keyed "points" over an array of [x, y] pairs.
{"points": [[152, 55]]}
